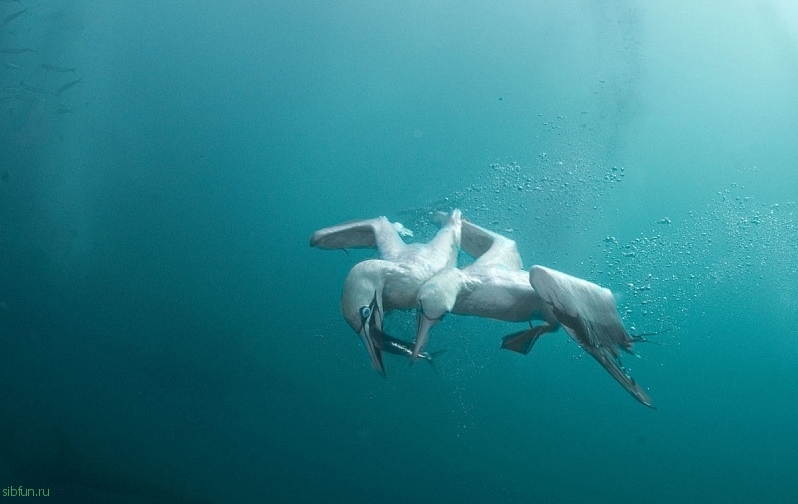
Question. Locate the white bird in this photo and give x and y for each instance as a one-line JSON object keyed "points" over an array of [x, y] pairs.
{"points": [[375, 287], [496, 286]]}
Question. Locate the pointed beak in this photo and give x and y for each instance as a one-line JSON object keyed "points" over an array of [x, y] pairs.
{"points": [[371, 334], [424, 326], [372, 338]]}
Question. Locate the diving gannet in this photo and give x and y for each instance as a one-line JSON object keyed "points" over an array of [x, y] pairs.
{"points": [[375, 287], [496, 286]]}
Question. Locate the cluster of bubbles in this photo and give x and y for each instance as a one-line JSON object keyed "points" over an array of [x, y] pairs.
{"points": [[563, 189], [729, 249], [674, 269]]}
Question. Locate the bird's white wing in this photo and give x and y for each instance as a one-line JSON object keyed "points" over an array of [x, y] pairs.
{"points": [[488, 248], [376, 233], [589, 315]]}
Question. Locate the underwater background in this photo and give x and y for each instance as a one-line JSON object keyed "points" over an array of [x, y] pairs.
{"points": [[167, 334]]}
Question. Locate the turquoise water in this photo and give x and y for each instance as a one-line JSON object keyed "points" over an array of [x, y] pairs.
{"points": [[167, 335]]}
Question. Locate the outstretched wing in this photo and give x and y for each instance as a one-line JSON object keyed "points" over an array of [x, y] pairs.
{"points": [[489, 248], [589, 315], [376, 233]]}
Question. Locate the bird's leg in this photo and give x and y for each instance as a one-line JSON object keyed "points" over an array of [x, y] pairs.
{"points": [[523, 341]]}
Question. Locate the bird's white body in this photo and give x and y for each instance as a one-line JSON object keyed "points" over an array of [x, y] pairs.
{"points": [[377, 286]]}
